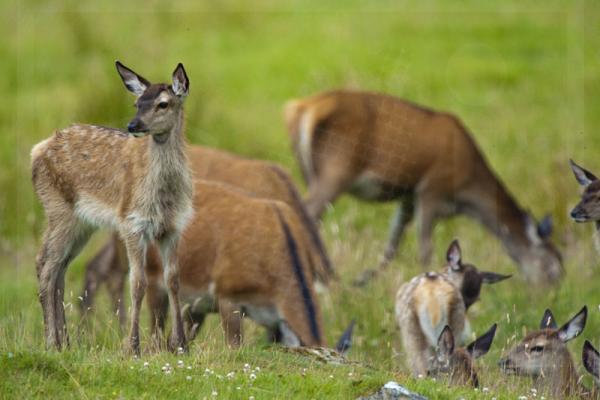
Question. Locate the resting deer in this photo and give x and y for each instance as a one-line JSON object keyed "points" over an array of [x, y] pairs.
{"points": [[242, 252], [431, 301], [543, 355], [261, 178], [381, 148], [588, 209], [459, 363], [591, 362], [138, 185]]}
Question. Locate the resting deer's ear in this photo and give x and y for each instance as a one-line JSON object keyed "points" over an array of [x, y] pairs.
{"points": [[544, 227], [492, 277], [453, 255], [482, 344], [446, 342], [135, 83], [574, 327], [181, 83], [548, 320], [591, 359], [583, 176]]}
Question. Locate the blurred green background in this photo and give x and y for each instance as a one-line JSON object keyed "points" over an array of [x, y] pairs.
{"points": [[524, 76]]}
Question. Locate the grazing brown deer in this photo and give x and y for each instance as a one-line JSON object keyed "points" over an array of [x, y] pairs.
{"points": [[431, 301], [543, 355], [243, 252], [459, 363], [261, 178], [381, 148], [588, 209], [591, 362], [138, 185]]}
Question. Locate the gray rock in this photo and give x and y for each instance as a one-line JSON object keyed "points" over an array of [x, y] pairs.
{"points": [[393, 391]]}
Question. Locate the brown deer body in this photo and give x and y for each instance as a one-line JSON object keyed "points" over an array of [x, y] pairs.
{"points": [[249, 253], [88, 176], [543, 355], [261, 178], [432, 301], [459, 363], [381, 148]]}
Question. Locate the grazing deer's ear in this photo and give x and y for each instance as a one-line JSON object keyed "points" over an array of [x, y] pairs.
{"points": [[591, 359], [445, 342], [492, 277], [135, 83], [574, 327], [531, 230], [181, 83], [548, 320], [583, 176], [482, 344], [545, 227], [453, 255]]}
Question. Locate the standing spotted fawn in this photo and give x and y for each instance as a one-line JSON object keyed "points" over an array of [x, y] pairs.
{"points": [[459, 363], [431, 301], [139, 185], [543, 355], [381, 148], [588, 209]]}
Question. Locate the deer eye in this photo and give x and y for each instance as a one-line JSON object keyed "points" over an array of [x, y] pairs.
{"points": [[536, 349], [163, 104]]}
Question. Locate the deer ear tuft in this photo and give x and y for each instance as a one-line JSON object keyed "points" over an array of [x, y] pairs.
{"points": [[453, 255], [574, 327], [135, 83]]}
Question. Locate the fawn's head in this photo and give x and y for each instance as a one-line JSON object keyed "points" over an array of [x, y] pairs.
{"points": [[588, 208], [459, 363], [466, 276], [591, 361], [159, 106], [544, 351]]}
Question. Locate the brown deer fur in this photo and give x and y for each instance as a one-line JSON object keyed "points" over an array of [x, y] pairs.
{"points": [[381, 148], [261, 178], [88, 176], [543, 355], [242, 251]]}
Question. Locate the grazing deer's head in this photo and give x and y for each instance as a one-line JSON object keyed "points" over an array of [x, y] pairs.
{"points": [[591, 361], [544, 354], [159, 106], [466, 276], [588, 208], [458, 363]]}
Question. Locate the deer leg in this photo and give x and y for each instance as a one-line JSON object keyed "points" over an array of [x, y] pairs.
{"points": [[158, 304], [168, 252], [402, 217], [95, 273], [116, 277], [136, 253], [322, 191], [231, 320], [427, 205]]}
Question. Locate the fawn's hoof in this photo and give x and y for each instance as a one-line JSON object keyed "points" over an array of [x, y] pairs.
{"points": [[177, 345]]}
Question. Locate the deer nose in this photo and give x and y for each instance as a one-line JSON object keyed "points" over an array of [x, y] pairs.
{"points": [[133, 126]]}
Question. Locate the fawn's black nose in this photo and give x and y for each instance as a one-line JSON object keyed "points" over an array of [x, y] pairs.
{"points": [[133, 126]]}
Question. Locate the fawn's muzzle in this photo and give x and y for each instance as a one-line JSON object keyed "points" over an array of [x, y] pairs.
{"points": [[578, 214], [136, 126]]}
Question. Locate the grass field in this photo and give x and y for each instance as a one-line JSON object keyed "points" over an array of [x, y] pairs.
{"points": [[524, 76]]}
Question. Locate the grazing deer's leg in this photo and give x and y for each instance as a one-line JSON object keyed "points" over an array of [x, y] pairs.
{"points": [[158, 305], [194, 323], [427, 205], [95, 273], [402, 217], [231, 320], [117, 274], [168, 252], [323, 190], [136, 252]]}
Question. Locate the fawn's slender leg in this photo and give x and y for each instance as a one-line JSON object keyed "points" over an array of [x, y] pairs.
{"points": [[168, 253], [136, 252]]}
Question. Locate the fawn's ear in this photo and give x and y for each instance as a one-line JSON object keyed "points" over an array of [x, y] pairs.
{"points": [[135, 83], [492, 277], [591, 359], [446, 342], [482, 344], [181, 82], [583, 176], [453, 255], [574, 327], [548, 320]]}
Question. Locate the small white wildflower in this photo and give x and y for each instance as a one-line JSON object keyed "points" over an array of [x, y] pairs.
{"points": [[238, 388], [420, 376], [522, 397], [189, 367], [168, 372], [533, 390], [180, 363], [189, 378], [214, 393], [180, 350], [330, 376], [219, 376], [252, 377], [350, 374], [485, 389], [131, 367], [257, 369], [146, 364], [251, 398], [230, 375], [167, 365]]}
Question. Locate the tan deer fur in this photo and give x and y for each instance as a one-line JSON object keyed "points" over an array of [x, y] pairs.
{"points": [[261, 178], [242, 251], [431, 301], [543, 355], [381, 148], [89, 176]]}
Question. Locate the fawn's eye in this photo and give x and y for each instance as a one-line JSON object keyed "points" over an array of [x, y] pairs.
{"points": [[163, 104], [536, 349]]}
